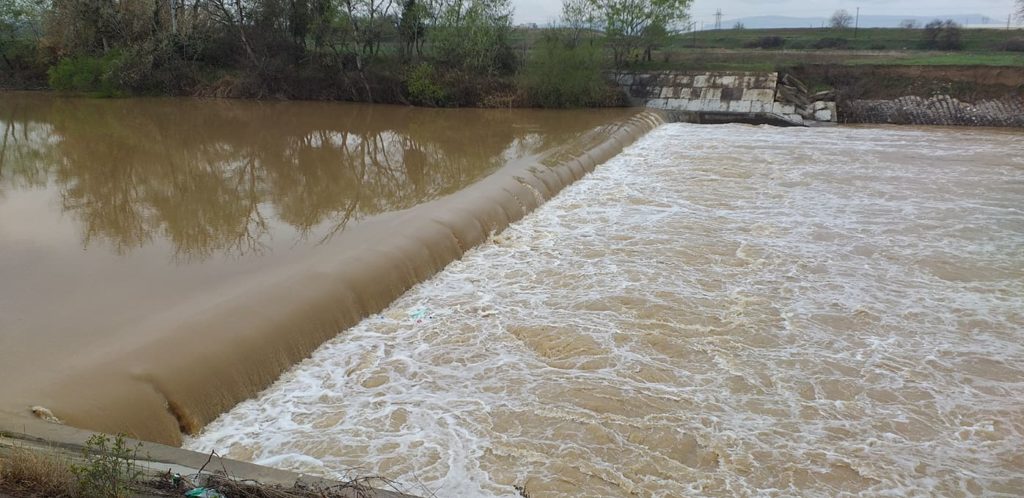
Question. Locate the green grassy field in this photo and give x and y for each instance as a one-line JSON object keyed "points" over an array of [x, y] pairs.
{"points": [[945, 59], [974, 40], [730, 49]]}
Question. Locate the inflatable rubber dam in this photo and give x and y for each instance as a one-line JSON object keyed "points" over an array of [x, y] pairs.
{"points": [[167, 259]]}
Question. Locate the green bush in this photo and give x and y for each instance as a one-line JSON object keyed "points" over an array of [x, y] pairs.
{"points": [[560, 75], [1014, 45], [839, 43], [942, 35], [110, 468], [766, 42], [474, 36], [86, 74], [424, 88]]}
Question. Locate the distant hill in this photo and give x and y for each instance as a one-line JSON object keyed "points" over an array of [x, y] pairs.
{"points": [[768, 22]]}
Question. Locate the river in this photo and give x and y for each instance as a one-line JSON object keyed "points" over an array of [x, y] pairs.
{"points": [[148, 245], [723, 311]]}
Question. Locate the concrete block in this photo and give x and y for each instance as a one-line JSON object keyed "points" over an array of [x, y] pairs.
{"points": [[780, 108], [678, 104], [758, 106], [684, 80], [743, 106], [795, 118], [666, 92], [657, 104], [726, 81], [759, 95], [711, 94], [823, 115], [715, 106], [701, 81], [695, 105]]}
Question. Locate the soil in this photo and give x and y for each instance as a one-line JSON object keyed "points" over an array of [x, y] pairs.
{"points": [[966, 83]]}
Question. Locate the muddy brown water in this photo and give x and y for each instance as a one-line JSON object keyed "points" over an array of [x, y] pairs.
{"points": [[164, 259], [717, 311]]}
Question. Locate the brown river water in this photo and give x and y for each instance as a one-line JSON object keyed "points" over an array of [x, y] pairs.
{"points": [[164, 259], [724, 311]]}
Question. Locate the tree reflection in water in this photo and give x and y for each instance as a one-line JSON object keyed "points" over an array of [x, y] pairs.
{"points": [[225, 177]]}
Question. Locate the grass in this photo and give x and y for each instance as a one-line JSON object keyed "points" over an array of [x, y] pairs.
{"points": [[109, 469], [974, 40], [37, 473], [947, 59], [725, 50]]}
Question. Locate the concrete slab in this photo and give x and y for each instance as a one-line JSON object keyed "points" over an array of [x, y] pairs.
{"points": [[33, 433]]}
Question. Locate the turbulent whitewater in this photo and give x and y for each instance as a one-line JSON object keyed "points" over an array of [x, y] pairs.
{"points": [[717, 311]]}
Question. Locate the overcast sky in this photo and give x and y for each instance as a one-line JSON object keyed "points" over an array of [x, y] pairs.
{"points": [[545, 11]]}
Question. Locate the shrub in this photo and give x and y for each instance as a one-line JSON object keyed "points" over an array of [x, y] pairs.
{"points": [[424, 88], [1014, 45], [475, 36], [942, 35], [110, 469], [558, 74], [766, 42], [37, 473], [85, 74], [839, 43]]}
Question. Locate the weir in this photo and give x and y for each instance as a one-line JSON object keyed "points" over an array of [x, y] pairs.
{"points": [[180, 368]]}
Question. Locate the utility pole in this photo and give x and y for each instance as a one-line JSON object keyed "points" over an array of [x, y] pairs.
{"points": [[856, 24], [718, 19]]}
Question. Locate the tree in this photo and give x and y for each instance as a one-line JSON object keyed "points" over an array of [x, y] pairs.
{"points": [[1020, 10], [942, 35], [629, 23], [20, 25], [739, 25], [841, 19], [473, 35], [578, 16], [412, 27], [908, 24]]}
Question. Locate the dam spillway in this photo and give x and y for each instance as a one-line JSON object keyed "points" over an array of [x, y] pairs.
{"points": [[164, 259], [717, 311]]}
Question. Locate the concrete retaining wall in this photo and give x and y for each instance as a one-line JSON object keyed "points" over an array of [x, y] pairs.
{"points": [[721, 97], [939, 110]]}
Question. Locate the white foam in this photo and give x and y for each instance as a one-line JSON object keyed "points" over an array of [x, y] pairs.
{"points": [[718, 310]]}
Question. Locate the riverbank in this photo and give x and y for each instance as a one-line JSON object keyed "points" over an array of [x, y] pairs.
{"points": [[44, 459], [965, 95]]}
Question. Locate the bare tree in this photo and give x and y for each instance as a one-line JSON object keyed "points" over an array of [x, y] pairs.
{"points": [[908, 24], [841, 19], [578, 16], [1020, 10]]}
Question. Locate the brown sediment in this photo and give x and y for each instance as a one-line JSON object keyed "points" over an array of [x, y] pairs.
{"points": [[181, 369]]}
